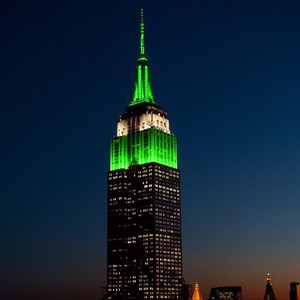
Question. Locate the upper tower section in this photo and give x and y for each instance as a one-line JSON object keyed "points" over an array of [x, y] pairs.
{"points": [[143, 131], [143, 112], [142, 88]]}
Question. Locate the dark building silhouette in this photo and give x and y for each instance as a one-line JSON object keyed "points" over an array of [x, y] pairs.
{"points": [[186, 291], [144, 216], [226, 293], [269, 293], [294, 291]]}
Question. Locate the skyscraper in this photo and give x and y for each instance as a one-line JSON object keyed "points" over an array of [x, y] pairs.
{"points": [[269, 293], [144, 216], [295, 291], [226, 293]]}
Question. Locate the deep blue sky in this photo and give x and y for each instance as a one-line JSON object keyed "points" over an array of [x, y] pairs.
{"points": [[228, 74]]}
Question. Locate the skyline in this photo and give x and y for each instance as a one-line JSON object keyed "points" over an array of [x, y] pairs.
{"points": [[228, 75]]}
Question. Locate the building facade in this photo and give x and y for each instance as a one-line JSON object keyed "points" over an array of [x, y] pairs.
{"points": [[144, 214], [226, 293]]}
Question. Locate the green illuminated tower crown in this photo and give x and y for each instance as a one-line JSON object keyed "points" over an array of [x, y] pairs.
{"points": [[143, 132]]}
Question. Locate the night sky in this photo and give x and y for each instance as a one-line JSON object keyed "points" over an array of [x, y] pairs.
{"points": [[227, 73]]}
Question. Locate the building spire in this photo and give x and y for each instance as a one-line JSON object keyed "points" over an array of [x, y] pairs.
{"points": [[196, 294], [142, 88], [142, 28], [269, 293]]}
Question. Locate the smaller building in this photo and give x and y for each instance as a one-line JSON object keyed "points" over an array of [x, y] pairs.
{"points": [[294, 291], [226, 293]]}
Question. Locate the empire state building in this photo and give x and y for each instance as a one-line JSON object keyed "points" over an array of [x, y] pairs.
{"points": [[144, 259]]}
